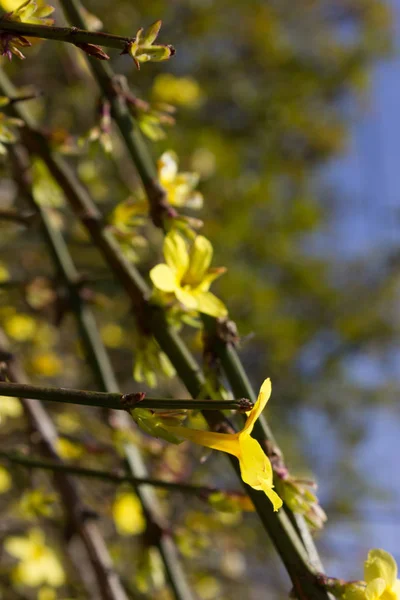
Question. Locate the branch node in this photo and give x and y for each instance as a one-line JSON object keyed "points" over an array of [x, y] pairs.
{"points": [[129, 401], [244, 405]]}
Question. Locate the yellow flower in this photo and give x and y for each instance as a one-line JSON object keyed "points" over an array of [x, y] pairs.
{"points": [[20, 327], [187, 274], [46, 364], [380, 572], [128, 514], [10, 408], [150, 362], [68, 450], [112, 335], [38, 563], [179, 186], [31, 11], [5, 480], [381, 583], [255, 466], [4, 274], [176, 90]]}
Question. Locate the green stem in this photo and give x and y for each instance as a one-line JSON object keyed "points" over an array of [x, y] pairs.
{"points": [[71, 35], [187, 488], [114, 400]]}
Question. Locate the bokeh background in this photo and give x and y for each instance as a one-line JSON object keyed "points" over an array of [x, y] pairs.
{"points": [[289, 113]]}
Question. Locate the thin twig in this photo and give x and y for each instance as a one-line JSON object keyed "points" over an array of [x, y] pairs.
{"points": [[173, 486], [116, 401], [71, 35]]}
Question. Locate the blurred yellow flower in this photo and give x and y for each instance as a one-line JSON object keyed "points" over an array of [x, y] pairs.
{"points": [[9, 408], [4, 274], [128, 514], [380, 572], [47, 593], [112, 335], [38, 563], [176, 90], [68, 450], [381, 583], [20, 327], [150, 361], [31, 11], [46, 364], [255, 467], [179, 186], [37, 503], [187, 274], [5, 480]]}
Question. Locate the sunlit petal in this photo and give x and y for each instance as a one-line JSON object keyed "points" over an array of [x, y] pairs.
{"points": [[263, 397], [375, 589], [224, 442], [380, 564], [176, 254], [187, 298], [209, 304], [200, 258], [163, 278]]}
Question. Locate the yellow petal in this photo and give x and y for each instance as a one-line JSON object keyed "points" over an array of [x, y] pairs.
{"points": [[396, 589], [209, 304], [176, 254], [187, 298], [19, 547], [375, 589], [209, 277], [167, 167], [254, 464], [354, 592], [263, 397], [380, 564], [163, 278], [200, 258], [256, 469], [272, 495], [53, 572], [225, 442]]}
